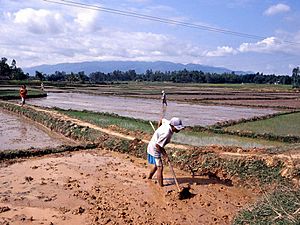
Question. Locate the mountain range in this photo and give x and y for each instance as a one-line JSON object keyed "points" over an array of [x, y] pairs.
{"points": [[138, 66]]}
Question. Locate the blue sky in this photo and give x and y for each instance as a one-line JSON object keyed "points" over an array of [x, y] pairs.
{"points": [[35, 32]]}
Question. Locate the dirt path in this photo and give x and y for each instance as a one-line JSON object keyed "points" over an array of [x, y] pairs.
{"points": [[102, 187], [107, 131]]}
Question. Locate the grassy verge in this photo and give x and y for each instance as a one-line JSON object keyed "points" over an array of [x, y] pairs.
{"points": [[14, 94], [194, 137], [13, 154], [107, 119], [281, 207], [248, 171], [189, 137]]}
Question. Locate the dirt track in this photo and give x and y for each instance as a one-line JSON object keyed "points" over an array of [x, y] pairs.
{"points": [[101, 187]]}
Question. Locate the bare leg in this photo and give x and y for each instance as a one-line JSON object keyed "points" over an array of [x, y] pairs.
{"points": [[160, 176], [152, 172]]}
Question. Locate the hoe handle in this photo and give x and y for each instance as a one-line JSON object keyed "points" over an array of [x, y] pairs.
{"points": [[174, 176], [152, 126]]}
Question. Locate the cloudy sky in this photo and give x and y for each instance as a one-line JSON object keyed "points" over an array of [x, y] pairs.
{"points": [[262, 35]]}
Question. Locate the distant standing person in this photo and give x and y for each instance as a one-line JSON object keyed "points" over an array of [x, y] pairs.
{"points": [[23, 94], [42, 86], [156, 147], [164, 98]]}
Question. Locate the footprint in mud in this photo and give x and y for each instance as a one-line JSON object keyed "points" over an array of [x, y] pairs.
{"points": [[22, 218], [4, 209], [49, 199], [28, 179], [78, 211], [64, 210]]}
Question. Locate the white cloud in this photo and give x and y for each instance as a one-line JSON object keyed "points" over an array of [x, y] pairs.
{"points": [[104, 44], [87, 20], [221, 51], [39, 21], [269, 44], [275, 9]]}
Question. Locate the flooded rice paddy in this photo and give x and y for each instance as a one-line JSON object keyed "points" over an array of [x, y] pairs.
{"points": [[149, 109], [20, 133]]}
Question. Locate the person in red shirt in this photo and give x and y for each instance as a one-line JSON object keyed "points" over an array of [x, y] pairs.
{"points": [[23, 94]]}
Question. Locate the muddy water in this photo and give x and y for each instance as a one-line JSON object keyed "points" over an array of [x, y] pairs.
{"points": [[19, 133], [149, 109]]}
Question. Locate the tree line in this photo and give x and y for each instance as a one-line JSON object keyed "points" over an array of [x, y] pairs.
{"points": [[181, 76], [12, 72], [185, 76]]}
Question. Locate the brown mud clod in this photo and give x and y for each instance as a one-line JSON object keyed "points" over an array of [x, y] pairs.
{"points": [[185, 193]]}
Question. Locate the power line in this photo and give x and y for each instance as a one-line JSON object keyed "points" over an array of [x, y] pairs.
{"points": [[160, 19]]}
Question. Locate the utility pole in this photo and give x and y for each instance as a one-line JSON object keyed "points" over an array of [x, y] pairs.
{"points": [[296, 77]]}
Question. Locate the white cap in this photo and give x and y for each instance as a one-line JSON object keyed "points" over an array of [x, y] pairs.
{"points": [[177, 123], [162, 91]]}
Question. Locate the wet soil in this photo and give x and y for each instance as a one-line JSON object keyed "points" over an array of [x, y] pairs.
{"points": [[103, 187], [150, 109], [20, 133]]}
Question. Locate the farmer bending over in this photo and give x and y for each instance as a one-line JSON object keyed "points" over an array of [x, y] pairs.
{"points": [[159, 140]]}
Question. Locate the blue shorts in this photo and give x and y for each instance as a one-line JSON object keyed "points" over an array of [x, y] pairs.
{"points": [[153, 160]]}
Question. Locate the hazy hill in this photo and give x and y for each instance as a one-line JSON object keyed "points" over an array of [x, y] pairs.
{"points": [[138, 66]]}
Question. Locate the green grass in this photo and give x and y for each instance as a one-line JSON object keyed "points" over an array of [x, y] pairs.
{"points": [[282, 125], [106, 120], [15, 93], [185, 137], [4, 93], [277, 208], [209, 138]]}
